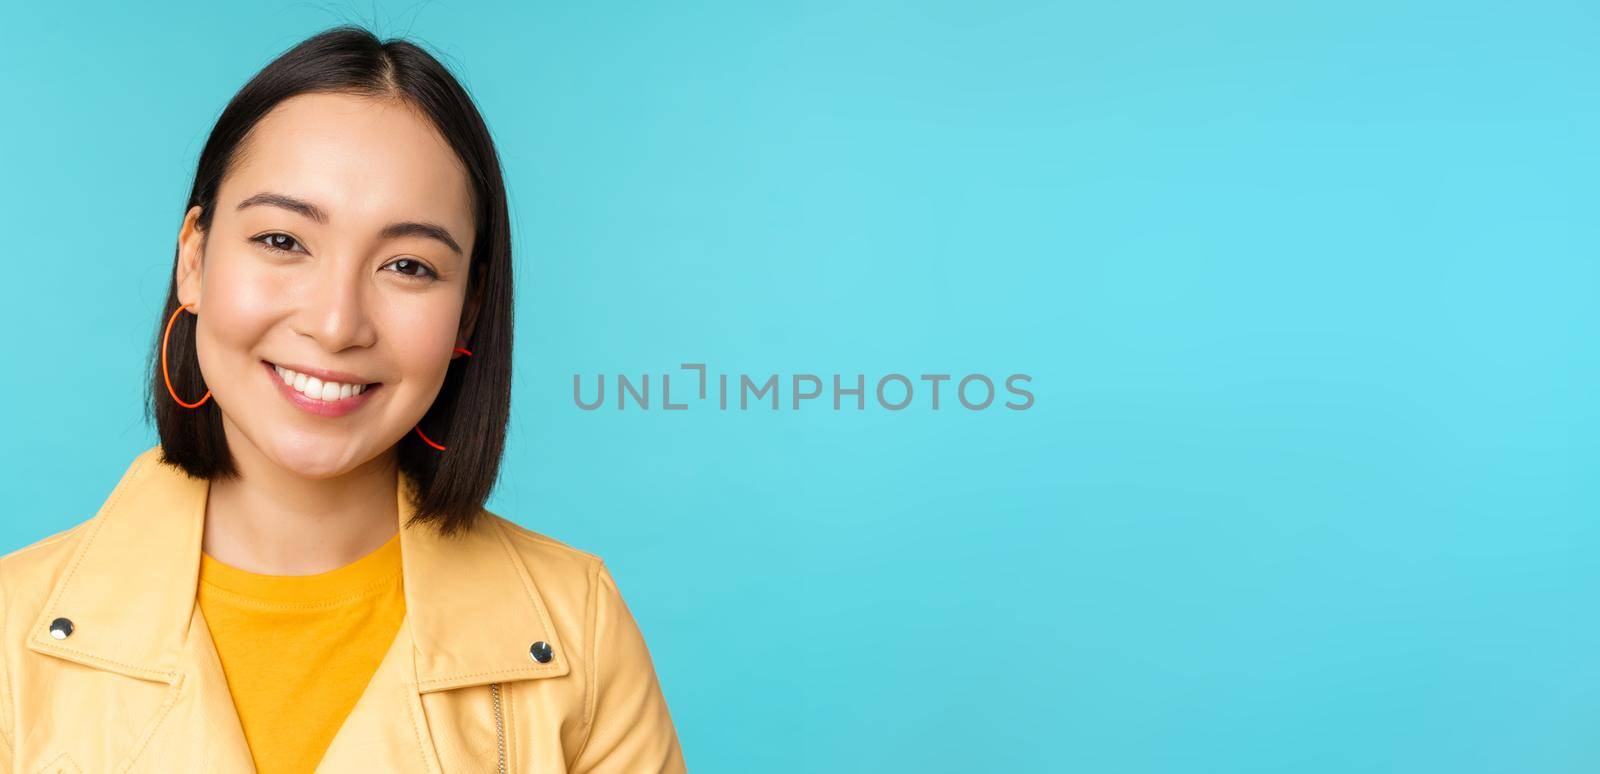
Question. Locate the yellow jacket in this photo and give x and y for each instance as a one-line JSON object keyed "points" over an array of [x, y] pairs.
{"points": [[133, 683]]}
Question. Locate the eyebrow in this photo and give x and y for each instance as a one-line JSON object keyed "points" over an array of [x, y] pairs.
{"points": [[312, 211]]}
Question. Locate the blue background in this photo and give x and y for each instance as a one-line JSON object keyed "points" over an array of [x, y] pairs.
{"points": [[1306, 293]]}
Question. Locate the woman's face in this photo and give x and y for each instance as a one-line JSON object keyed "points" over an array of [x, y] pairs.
{"points": [[340, 243]]}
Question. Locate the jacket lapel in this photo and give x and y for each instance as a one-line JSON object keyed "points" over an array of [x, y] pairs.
{"points": [[209, 707], [129, 588], [473, 609], [472, 612], [386, 730], [461, 629]]}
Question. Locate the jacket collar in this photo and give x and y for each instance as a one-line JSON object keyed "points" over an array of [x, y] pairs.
{"points": [[129, 589]]}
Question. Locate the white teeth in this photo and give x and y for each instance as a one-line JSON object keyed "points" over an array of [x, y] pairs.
{"points": [[315, 388]]}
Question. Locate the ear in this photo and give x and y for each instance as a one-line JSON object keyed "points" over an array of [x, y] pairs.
{"points": [[191, 248]]}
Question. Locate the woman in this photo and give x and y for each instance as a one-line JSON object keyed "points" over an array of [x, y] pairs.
{"points": [[301, 575]]}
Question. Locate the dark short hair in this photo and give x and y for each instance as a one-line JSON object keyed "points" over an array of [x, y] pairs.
{"points": [[472, 409]]}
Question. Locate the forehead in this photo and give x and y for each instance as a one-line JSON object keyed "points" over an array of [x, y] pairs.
{"points": [[364, 160]]}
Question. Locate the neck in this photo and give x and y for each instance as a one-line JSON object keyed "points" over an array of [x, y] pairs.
{"points": [[275, 521]]}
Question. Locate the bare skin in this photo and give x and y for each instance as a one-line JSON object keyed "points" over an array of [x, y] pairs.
{"points": [[318, 492]]}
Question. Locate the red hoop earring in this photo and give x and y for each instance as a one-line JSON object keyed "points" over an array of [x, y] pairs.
{"points": [[164, 375], [418, 428]]}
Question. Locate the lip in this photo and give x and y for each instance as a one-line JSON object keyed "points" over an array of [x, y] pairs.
{"points": [[321, 408]]}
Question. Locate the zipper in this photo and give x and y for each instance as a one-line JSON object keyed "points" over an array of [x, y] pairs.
{"points": [[499, 727]]}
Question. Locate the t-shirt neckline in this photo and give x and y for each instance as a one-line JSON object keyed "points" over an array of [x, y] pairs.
{"points": [[364, 575]]}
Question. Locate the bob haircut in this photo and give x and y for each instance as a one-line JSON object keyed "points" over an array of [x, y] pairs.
{"points": [[470, 413]]}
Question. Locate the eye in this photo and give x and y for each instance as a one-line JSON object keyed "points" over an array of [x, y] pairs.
{"points": [[277, 242], [416, 265]]}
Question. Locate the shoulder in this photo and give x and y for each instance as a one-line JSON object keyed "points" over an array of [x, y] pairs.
{"points": [[28, 574], [553, 556], [534, 543], [567, 578], [626, 723]]}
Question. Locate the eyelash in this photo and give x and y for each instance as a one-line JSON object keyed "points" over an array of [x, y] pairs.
{"points": [[432, 275]]}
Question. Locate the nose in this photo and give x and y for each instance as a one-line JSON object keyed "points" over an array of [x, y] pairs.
{"points": [[335, 312]]}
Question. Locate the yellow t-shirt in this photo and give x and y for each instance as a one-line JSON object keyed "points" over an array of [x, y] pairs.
{"points": [[299, 650]]}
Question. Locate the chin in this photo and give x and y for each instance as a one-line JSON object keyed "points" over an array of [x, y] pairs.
{"points": [[316, 458]]}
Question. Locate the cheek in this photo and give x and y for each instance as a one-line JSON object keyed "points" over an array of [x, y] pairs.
{"points": [[421, 334], [237, 303]]}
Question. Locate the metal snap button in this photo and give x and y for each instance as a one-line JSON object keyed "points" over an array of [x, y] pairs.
{"points": [[541, 652], [61, 628]]}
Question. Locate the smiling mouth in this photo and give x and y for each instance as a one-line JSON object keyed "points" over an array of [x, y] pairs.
{"points": [[315, 388]]}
